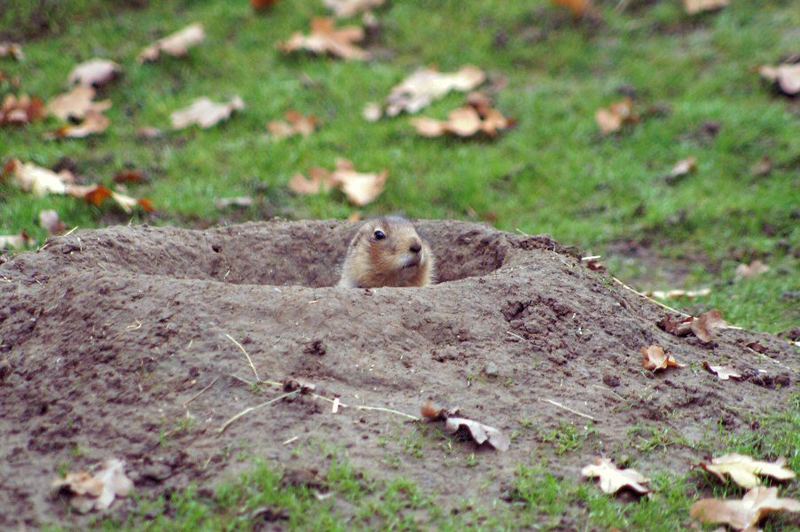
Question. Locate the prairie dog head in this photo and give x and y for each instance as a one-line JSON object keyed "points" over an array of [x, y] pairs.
{"points": [[387, 252]]}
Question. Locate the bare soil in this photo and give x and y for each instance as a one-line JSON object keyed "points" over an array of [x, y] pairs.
{"points": [[106, 334]]}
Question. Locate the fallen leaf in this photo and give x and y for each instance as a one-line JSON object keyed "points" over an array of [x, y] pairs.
{"points": [[786, 76], [95, 73], [96, 492], [326, 39], [681, 169], [477, 117], [295, 124], [704, 325], [579, 8], [722, 372], [21, 110], [674, 294], [372, 112], [11, 49], [205, 113], [19, 241], [427, 85], [93, 123], [654, 359], [320, 181], [50, 222], [259, 5], [479, 432], [763, 167], [176, 45], [360, 188], [613, 479], [748, 271], [76, 103], [40, 181], [745, 471], [693, 7], [241, 202], [131, 176], [348, 8], [676, 326], [744, 514], [611, 119]]}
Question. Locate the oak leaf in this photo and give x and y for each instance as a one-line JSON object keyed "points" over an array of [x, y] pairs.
{"points": [[681, 169], [477, 117], [704, 325], [611, 119], [21, 110], [326, 39], [94, 73], [37, 180], [745, 471], [427, 85], [205, 113], [295, 124], [96, 492], [348, 8], [654, 358], [786, 76], [723, 373], [693, 7], [76, 103], [754, 269], [479, 432], [22, 240], [744, 514], [176, 45], [11, 49], [360, 188], [613, 479], [94, 122], [320, 181]]}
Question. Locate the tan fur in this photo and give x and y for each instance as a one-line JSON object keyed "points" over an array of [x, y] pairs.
{"points": [[371, 263]]}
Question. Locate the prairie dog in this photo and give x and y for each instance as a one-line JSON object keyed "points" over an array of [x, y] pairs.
{"points": [[387, 252]]}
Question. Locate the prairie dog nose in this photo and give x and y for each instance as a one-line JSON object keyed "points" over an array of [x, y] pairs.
{"points": [[415, 247]]}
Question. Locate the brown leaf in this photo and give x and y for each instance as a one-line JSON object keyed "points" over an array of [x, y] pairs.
{"points": [[427, 85], [479, 432], [745, 471], [325, 39], [360, 188], [320, 181], [654, 359], [205, 113], [349, 8], [748, 271], [763, 167], [676, 326], [98, 491], [94, 123], [130, 176], [76, 103], [40, 181], [611, 119], [11, 49], [681, 169], [94, 73], [465, 122], [259, 5], [579, 8], [295, 124], [746, 513], [786, 76], [22, 240], [50, 222], [723, 373], [613, 479], [693, 7], [176, 45], [22, 110], [704, 325]]}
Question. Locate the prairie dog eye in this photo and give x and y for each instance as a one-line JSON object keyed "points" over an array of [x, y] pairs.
{"points": [[379, 235]]}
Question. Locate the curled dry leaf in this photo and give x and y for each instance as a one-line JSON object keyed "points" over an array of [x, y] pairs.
{"points": [[611, 119], [579, 8], [22, 240], [786, 76], [320, 181], [40, 181], [676, 326], [704, 325], [723, 373], [348, 8], [745, 471], [744, 514], [50, 222], [477, 117], [613, 479], [654, 358], [698, 6], [681, 169], [479, 432], [427, 85], [674, 294], [176, 45], [22, 110], [295, 124], [95, 73], [96, 492], [360, 188], [205, 113], [326, 39], [11, 49], [93, 123], [754, 269], [76, 103]]}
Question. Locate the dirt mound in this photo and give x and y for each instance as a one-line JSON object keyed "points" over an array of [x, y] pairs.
{"points": [[105, 335]]}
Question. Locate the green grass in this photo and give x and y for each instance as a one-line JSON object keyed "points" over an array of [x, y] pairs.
{"points": [[555, 173]]}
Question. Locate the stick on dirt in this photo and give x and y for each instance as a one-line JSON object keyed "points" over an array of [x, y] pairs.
{"points": [[660, 304], [568, 409], [252, 408], [201, 392], [258, 379]]}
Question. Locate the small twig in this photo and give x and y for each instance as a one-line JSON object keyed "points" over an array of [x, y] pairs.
{"points": [[198, 394], [252, 408], [515, 335], [258, 379], [291, 440], [762, 355], [70, 232], [382, 409], [568, 409], [591, 257], [660, 304]]}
